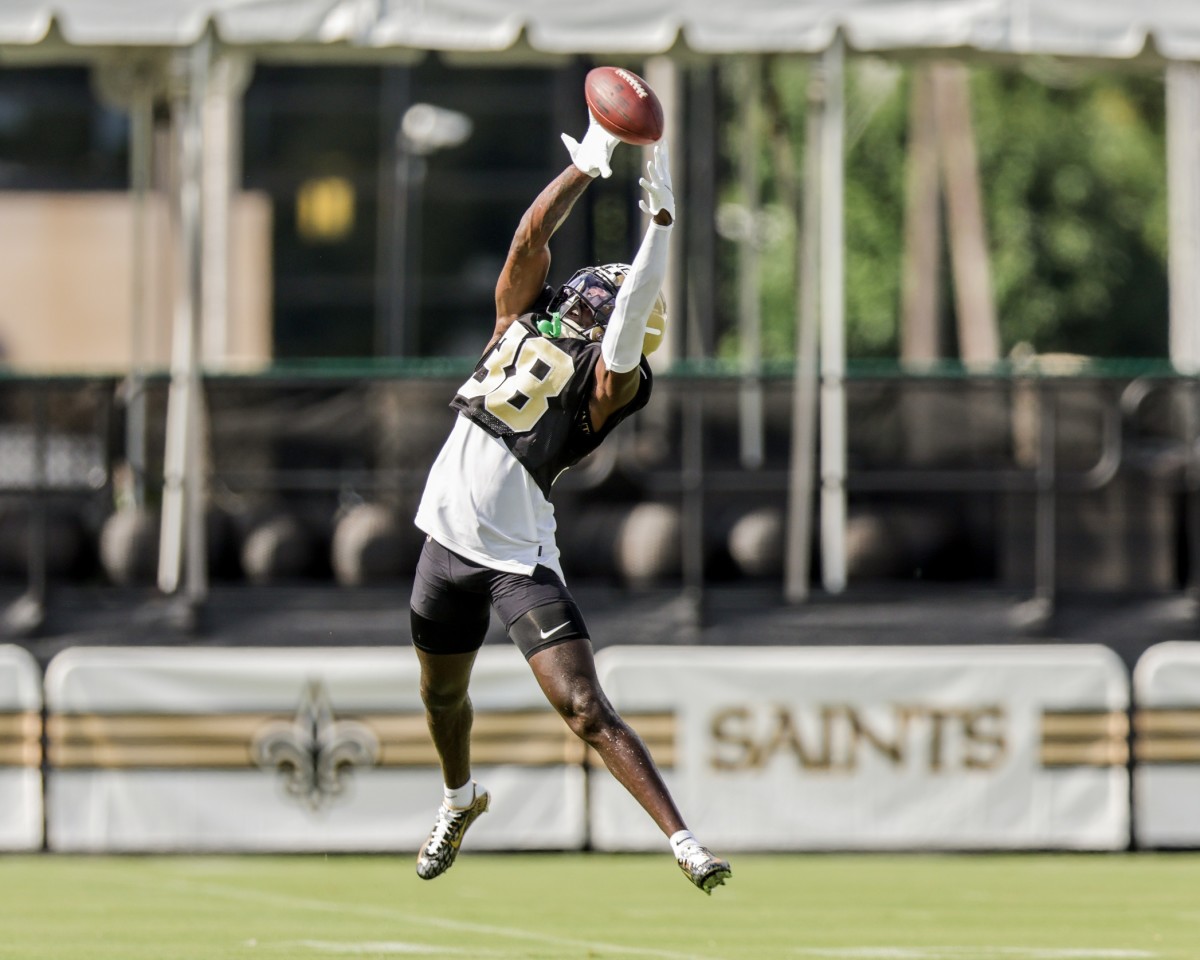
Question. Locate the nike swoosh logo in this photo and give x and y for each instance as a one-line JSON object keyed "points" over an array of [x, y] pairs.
{"points": [[547, 634]]}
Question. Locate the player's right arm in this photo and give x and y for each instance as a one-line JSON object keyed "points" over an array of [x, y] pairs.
{"points": [[528, 262]]}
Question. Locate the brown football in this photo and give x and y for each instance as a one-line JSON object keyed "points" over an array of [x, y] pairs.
{"points": [[623, 103]]}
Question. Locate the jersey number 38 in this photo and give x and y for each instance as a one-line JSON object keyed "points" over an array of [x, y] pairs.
{"points": [[518, 377]]}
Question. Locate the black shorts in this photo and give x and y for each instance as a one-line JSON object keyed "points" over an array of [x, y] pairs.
{"points": [[452, 597]]}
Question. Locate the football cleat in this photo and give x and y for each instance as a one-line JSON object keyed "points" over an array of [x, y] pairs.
{"points": [[438, 852], [702, 867]]}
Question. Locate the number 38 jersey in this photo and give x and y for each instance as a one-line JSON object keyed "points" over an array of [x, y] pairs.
{"points": [[533, 393], [523, 419]]}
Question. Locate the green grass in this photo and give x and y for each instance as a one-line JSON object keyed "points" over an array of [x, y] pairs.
{"points": [[594, 907]]}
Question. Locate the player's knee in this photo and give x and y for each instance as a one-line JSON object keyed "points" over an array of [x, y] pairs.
{"points": [[587, 712], [444, 697]]}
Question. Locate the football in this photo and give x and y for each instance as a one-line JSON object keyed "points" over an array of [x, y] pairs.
{"points": [[623, 103]]}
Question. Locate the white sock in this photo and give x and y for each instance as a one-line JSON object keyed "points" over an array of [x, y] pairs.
{"points": [[459, 798], [679, 838]]}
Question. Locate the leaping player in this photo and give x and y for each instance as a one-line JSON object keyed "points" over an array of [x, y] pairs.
{"points": [[560, 372]]}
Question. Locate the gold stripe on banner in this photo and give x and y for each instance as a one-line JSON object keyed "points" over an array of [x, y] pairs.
{"points": [[528, 738], [227, 741], [1167, 751], [26, 725], [1096, 754], [1084, 726], [1084, 739], [110, 728], [1167, 736], [21, 739], [20, 754], [1170, 722], [152, 755]]}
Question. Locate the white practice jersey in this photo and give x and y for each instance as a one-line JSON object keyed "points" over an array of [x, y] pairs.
{"points": [[523, 419], [480, 502]]}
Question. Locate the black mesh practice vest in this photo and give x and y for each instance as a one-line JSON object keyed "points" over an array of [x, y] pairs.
{"points": [[533, 392]]}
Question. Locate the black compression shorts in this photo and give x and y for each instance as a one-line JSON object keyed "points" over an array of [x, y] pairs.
{"points": [[452, 595]]}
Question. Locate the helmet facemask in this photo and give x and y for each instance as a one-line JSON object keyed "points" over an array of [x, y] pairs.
{"points": [[583, 305]]}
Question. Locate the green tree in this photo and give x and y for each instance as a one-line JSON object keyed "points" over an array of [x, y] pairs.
{"points": [[1074, 176], [1073, 170]]}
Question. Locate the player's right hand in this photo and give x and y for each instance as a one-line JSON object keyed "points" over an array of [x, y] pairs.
{"points": [[594, 155], [657, 183]]}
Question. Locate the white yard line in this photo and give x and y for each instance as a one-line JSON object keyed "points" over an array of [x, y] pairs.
{"points": [[387, 947], [227, 892]]}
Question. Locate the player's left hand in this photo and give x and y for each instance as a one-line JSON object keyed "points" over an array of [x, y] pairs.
{"points": [[657, 183]]}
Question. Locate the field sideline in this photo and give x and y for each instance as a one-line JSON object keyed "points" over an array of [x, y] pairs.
{"points": [[596, 907]]}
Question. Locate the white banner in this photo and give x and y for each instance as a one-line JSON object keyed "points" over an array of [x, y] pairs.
{"points": [[1166, 785], [20, 750], [875, 747], [296, 749]]}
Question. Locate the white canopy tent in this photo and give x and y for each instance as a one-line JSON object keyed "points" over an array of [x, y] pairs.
{"points": [[1156, 34], [1122, 29]]}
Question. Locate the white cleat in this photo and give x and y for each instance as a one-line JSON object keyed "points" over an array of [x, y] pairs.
{"points": [[702, 867]]}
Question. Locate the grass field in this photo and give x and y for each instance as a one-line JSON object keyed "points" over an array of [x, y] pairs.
{"points": [[594, 907]]}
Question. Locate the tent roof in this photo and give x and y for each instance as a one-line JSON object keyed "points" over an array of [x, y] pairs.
{"points": [[1081, 28]]}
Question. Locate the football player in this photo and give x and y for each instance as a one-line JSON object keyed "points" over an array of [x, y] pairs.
{"points": [[557, 376]]}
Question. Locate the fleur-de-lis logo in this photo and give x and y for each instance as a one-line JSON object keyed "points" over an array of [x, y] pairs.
{"points": [[314, 752]]}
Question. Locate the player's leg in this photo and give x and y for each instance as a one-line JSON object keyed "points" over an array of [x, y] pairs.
{"points": [[546, 625], [566, 673], [445, 679], [449, 620]]}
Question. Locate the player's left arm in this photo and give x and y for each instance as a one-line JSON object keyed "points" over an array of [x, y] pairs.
{"points": [[618, 373]]}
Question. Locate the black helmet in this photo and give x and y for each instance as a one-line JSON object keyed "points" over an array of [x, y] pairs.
{"points": [[594, 291]]}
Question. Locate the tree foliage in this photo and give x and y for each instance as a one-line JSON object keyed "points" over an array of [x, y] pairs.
{"points": [[1073, 172]]}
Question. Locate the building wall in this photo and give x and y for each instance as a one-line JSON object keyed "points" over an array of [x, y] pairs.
{"points": [[67, 282]]}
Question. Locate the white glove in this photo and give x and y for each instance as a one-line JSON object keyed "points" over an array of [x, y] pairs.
{"points": [[657, 183], [593, 155]]}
